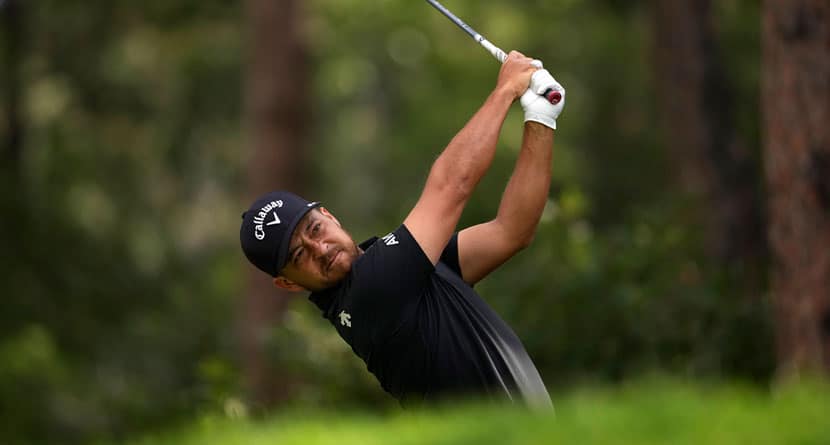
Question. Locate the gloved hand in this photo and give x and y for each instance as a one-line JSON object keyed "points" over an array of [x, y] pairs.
{"points": [[537, 108]]}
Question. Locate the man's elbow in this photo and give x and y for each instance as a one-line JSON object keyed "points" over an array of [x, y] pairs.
{"points": [[514, 237], [457, 186], [519, 239], [524, 240]]}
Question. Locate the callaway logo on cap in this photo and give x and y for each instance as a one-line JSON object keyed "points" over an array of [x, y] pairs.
{"points": [[259, 232], [267, 227]]}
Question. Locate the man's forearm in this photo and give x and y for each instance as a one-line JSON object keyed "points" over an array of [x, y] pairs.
{"points": [[470, 153], [526, 193]]}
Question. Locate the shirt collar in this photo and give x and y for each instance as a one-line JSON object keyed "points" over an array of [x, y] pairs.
{"points": [[368, 243], [324, 298]]}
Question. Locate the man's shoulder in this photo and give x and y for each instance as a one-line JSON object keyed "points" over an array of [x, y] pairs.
{"points": [[392, 262]]}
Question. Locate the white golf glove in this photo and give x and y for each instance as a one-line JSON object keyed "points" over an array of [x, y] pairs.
{"points": [[537, 108]]}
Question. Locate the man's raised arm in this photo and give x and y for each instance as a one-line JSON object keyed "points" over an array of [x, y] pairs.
{"points": [[484, 247], [459, 168]]}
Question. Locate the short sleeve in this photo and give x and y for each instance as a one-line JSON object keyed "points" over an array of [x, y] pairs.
{"points": [[450, 255], [391, 276]]}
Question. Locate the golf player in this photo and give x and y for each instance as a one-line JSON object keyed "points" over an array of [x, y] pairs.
{"points": [[405, 302]]}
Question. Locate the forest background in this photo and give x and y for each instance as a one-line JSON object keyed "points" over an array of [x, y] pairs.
{"points": [[686, 232]]}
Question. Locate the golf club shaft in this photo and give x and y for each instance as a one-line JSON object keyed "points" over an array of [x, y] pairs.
{"points": [[551, 95], [493, 49]]}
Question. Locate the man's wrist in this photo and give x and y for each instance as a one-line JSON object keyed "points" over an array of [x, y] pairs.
{"points": [[540, 118], [535, 127], [503, 94]]}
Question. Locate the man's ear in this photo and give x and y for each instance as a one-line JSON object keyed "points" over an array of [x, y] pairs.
{"points": [[326, 213], [284, 283]]}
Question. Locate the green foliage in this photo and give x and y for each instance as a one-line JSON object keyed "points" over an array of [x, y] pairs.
{"points": [[651, 412], [117, 277], [609, 304]]}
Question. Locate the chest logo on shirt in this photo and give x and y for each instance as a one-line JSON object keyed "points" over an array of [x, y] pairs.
{"points": [[345, 319], [390, 240]]}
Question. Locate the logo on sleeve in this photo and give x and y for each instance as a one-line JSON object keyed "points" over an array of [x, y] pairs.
{"points": [[345, 319], [390, 240]]}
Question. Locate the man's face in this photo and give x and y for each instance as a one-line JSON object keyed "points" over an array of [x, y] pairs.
{"points": [[320, 253]]}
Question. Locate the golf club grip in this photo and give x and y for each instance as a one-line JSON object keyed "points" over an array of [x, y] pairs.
{"points": [[552, 96], [500, 55]]}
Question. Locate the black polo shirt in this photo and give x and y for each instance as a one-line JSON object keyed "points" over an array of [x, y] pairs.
{"points": [[424, 332]]}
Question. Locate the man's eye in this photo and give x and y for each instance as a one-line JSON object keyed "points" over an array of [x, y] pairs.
{"points": [[316, 228], [297, 255]]}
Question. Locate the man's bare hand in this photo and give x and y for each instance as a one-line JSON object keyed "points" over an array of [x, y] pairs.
{"points": [[514, 76]]}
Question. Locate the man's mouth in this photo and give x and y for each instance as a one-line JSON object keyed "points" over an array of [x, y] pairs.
{"points": [[332, 260]]}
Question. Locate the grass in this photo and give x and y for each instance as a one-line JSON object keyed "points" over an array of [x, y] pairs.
{"points": [[653, 412]]}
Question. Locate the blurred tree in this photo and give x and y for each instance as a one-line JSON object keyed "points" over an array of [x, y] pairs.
{"points": [[276, 115], [697, 103], [105, 252], [12, 145], [796, 113]]}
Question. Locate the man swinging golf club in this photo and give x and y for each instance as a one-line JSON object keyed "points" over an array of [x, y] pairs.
{"points": [[405, 302]]}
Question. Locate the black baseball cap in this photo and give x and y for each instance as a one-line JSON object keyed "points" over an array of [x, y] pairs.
{"points": [[267, 227]]}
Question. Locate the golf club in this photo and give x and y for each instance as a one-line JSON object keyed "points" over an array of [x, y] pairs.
{"points": [[551, 95]]}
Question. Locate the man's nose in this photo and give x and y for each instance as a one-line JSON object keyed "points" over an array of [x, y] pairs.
{"points": [[321, 248]]}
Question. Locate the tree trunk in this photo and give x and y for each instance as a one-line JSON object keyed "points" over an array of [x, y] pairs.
{"points": [[276, 115], [697, 106], [795, 91], [12, 149]]}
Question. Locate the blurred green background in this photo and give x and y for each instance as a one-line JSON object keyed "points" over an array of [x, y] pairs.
{"points": [[127, 162]]}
